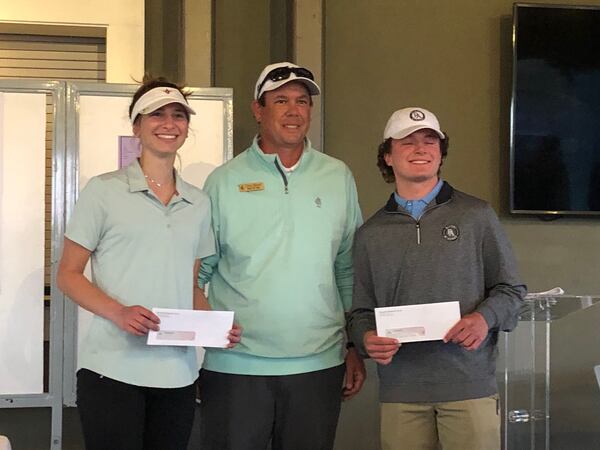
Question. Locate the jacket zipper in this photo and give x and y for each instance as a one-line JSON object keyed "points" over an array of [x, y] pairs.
{"points": [[285, 180], [417, 222]]}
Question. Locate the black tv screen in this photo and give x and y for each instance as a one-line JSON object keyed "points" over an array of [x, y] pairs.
{"points": [[555, 111]]}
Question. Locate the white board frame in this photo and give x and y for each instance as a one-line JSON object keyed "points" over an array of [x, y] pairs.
{"points": [[52, 398]]}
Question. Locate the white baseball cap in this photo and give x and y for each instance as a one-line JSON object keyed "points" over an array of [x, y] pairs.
{"points": [[157, 98], [278, 74], [408, 120]]}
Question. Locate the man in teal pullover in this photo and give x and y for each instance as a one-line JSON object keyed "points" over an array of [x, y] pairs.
{"points": [[284, 216]]}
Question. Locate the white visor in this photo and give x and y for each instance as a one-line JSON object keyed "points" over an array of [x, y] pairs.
{"points": [[157, 98]]}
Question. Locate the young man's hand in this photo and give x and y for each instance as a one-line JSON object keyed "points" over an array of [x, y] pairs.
{"points": [[469, 332]]}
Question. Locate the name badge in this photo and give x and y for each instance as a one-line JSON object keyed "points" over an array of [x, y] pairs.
{"points": [[252, 187]]}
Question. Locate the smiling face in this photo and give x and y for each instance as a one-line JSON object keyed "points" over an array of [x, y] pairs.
{"points": [[284, 119], [163, 131], [416, 158]]}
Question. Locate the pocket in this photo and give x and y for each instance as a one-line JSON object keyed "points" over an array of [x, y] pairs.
{"points": [[496, 398]]}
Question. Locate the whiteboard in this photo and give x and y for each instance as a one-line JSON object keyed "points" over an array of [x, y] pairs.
{"points": [[22, 180], [103, 117]]}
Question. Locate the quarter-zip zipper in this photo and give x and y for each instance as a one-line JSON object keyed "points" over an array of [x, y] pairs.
{"points": [[285, 180], [417, 222]]}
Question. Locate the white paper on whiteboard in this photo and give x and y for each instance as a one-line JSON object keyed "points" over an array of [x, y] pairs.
{"points": [[22, 192], [1, 170]]}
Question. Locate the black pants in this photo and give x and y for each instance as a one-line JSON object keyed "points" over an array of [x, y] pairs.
{"points": [[293, 412], [121, 416]]}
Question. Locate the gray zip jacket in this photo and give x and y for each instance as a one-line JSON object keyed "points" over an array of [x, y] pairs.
{"points": [[457, 250]]}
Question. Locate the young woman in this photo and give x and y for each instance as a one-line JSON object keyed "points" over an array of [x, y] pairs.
{"points": [[145, 230]]}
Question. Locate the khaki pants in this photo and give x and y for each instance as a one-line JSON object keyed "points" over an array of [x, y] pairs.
{"points": [[462, 425]]}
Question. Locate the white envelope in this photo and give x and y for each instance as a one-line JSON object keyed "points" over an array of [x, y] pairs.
{"points": [[185, 327], [415, 323]]}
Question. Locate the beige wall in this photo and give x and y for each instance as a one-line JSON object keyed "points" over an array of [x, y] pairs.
{"points": [[197, 22], [308, 52], [242, 49], [123, 19], [453, 57]]}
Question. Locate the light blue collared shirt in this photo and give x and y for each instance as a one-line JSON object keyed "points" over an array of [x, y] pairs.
{"points": [[142, 253], [416, 207]]}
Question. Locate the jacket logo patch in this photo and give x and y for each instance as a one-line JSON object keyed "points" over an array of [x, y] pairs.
{"points": [[318, 202], [252, 187], [450, 232]]}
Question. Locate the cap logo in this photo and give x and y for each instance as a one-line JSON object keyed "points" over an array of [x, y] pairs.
{"points": [[417, 115], [450, 233], [167, 91]]}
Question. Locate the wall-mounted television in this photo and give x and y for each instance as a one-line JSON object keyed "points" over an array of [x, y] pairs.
{"points": [[555, 110]]}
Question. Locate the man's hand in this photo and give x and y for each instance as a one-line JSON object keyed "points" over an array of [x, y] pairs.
{"points": [[234, 336], [470, 331], [136, 320], [380, 349], [355, 374]]}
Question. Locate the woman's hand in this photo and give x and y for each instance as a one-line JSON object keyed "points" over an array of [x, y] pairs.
{"points": [[234, 336], [136, 320]]}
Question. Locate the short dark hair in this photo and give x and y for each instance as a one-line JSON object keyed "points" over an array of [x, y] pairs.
{"points": [[386, 147], [150, 82]]}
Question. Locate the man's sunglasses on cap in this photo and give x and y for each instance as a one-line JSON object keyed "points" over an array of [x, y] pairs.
{"points": [[283, 73]]}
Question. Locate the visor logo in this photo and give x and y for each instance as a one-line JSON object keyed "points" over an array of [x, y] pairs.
{"points": [[417, 115], [450, 233]]}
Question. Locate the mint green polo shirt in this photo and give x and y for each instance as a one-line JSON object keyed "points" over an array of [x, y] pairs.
{"points": [[143, 253], [283, 262]]}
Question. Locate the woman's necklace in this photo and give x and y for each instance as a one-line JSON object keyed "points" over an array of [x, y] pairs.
{"points": [[153, 181]]}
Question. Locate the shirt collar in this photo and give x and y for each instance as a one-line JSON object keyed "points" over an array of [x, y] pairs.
{"points": [[425, 199], [138, 183], [135, 177], [271, 157]]}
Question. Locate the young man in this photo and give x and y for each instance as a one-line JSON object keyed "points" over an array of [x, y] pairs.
{"points": [[284, 216], [431, 243]]}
